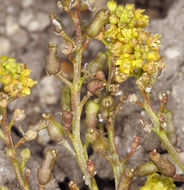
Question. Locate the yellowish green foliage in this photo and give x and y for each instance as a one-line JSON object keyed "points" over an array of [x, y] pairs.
{"points": [[158, 182], [14, 77], [132, 47]]}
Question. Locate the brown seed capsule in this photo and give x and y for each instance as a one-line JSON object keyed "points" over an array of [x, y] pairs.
{"points": [[67, 119], [52, 62], [95, 85], [97, 23], [164, 166]]}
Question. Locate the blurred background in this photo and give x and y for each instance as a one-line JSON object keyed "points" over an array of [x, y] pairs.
{"points": [[25, 33]]}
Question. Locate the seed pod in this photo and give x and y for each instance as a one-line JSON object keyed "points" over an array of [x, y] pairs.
{"points": [[170, 128], [56, 23], [98, 63], [94, 85], [164, 166], [18, 115], [98, 22], [55, 129], [44, 172], [65, 100], [100, 75], [145, 169], [67, 69], [67, 119], [52, 62], [100, 145], [91, 110]]}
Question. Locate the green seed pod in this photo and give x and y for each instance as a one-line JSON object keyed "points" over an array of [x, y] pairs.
{"points": [[44, 172], [52, 62], [100, 145], [107, 102], [91, 110], [65, 100], [145, 169], [55, 129], [94, 85], [56, 23], [170, 128], [164, 166], [98, 63], [97, 24]]}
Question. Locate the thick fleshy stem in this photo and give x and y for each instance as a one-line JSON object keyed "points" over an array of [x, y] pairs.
{"points": [[161, 133], [9, 144]]}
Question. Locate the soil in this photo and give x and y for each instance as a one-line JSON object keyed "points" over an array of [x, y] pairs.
{"points": [[25, 33]]}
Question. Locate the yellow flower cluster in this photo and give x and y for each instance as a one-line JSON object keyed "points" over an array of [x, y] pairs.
{"points": [[14, 77], [157, 182], [134, 49]]}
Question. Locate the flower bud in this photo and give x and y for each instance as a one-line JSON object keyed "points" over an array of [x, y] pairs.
{"points": [[91, 135], [98, 63], [65, 100], [44, 172], [91, 111], [145, 169], [18, 115], [111, 5], [91, 167], [94, 85], [97, 23], [25, 154], [52, 62], [164, 166], [107, 102], [56, 23], [73, 186], [10, 153]]}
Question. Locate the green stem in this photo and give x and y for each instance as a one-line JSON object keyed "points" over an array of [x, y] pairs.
{"points": [[81, 152], [10, 145], [161, 133], [113, 150]]}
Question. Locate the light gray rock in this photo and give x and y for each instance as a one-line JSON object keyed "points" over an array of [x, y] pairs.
{"points": [[5, 45]]}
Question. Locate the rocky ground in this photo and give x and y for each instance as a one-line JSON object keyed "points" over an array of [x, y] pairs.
{"points": [[25, 34]]}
